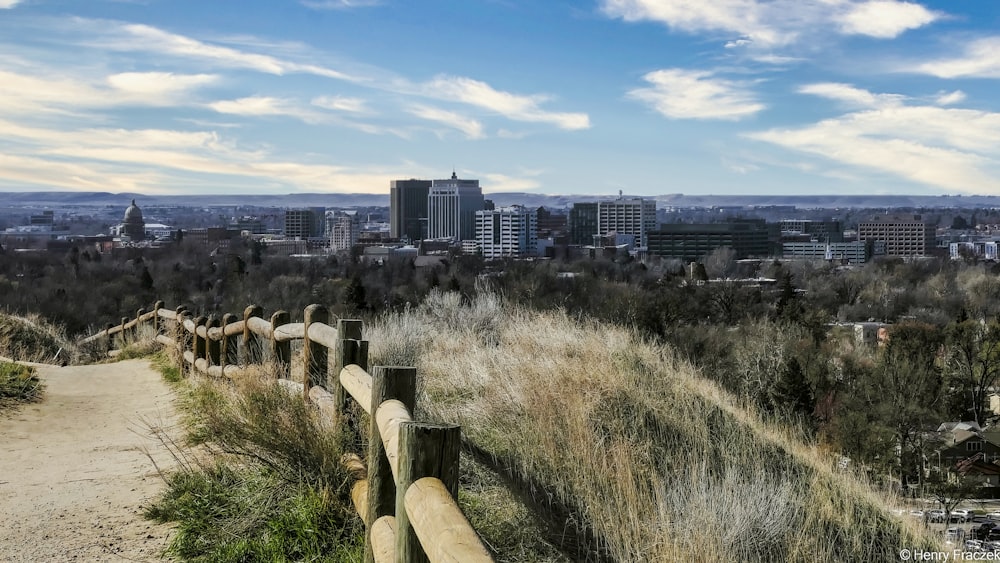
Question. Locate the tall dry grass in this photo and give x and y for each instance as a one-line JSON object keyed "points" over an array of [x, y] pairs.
{"points": [[33, 339], [637, 456]]}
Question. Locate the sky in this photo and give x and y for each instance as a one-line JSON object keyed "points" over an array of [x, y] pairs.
{"points": [[650, 97]]}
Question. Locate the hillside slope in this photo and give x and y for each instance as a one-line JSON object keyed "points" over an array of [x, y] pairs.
{"points": [[628, 452]]}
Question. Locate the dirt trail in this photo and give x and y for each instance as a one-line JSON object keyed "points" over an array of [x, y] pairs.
{"points": [[74, 475]]}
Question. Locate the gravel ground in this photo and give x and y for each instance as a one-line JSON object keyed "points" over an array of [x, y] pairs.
{"points": [[74, 470]]}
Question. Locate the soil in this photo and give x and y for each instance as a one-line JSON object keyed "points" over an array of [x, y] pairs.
{"points": [[78, 468]]}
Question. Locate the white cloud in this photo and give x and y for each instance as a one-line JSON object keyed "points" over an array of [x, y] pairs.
{"points": [[340, 103], [511, 106], [951, 149], [770, 23], [884, 19], [950, 98], [8, 4], [496, 182], [691, 94], [981, 59], [852, 96], [259, 106], [472, 128], [161, 86]]}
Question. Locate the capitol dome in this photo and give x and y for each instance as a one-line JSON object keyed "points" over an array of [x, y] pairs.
{"points": [[134, 227]]}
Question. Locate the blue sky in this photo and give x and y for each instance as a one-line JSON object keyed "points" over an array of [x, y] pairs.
{"points": [[588, 96]]}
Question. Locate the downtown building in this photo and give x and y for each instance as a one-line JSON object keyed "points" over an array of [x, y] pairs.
{"points": [[305, 223], [903, 235], [634, 216], [693, 242], [451, 208], [343, 229], [507, 232], [408, 209]]}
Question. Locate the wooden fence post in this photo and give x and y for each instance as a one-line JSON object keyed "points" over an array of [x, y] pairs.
{"points": [[180, 335], [230, 347], [388, 382], [282, 351], [314, 355], [157, 323], [199, 342], [121, 333], [425, 450], [109, 341], [251, 342], [135, 330], [213, 348], [348, 330]]}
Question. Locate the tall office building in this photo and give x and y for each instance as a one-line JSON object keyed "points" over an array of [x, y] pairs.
{"points": [[507, 232], [903, 235], [627, 216], [343, 230], [583, 223], [305, 223], [692, 242], [408, 208], [451, 208]]}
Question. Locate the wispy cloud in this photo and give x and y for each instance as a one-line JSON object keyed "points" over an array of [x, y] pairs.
{"points": [[981, 59], [260, 106], [692, 94], [770, 23], [952, 149], [340, 103], [512, 106], [8, 4], [472, 128], [852, 96], [950, 98]]}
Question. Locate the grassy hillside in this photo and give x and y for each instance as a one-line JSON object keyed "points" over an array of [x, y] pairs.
{"points": [[626, 452], [32, 339]]}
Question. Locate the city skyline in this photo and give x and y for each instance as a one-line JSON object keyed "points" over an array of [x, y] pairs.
{"points": [[771, 97]]}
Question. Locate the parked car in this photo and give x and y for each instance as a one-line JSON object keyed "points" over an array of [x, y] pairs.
{"points": [[954, 535], [983, 531], [917, 514], [974, 545], [936, 515], [960, 515]]}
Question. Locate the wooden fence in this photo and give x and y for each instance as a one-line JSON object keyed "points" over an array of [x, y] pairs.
{"points": [[406, 488]]}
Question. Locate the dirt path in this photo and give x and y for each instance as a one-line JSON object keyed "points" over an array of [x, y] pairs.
{"points": [[74, 475]]}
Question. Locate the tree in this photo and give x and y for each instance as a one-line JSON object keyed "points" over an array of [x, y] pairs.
{"points": [[973, 363]]}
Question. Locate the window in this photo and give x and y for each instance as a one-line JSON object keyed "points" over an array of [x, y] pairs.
{"points": [[976, 446]]}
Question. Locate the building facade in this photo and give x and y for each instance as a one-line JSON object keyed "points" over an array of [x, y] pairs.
{"points": [[822, 231], [582, 223], [305, 223], [408, 208], [856, 252], [451, 208], [629, 216], [904, 235], [508, 232], [692, 242], [343, 229]]}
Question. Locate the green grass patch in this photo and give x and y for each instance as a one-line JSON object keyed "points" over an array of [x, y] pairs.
{"points": [[163, 363], [266, 484], [227, 512], [18, 384]]}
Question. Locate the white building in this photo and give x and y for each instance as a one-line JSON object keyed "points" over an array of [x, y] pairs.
{"points": [[628, 216], [451, 208], [507, 232], [343, 229], [985, 249]]}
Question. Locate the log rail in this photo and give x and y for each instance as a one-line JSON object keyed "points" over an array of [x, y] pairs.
{"points": [[406, 488]]}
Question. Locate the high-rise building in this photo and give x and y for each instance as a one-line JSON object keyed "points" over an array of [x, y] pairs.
{"points": [[903, 235], [583, 223], [408, 208], [305, 223], [451, 208], [507, 232], [343, 229], [627, 216], [822, 231]]}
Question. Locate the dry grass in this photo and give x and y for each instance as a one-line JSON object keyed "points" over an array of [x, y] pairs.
{"points": [[32, 339], [639, 456]]}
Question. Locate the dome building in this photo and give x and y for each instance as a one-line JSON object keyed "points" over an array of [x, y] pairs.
{"points": [[133, 227]]}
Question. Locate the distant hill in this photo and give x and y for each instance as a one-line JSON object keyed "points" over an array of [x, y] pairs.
{"points": [[102, 199]]}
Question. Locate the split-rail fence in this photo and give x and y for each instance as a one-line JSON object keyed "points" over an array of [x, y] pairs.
{"points": [[406, 488]]}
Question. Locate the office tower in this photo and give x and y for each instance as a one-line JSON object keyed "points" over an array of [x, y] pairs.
{"points": [[627, 216], [344, 228], [408, 208], [305, 223], [583, 223], [507, 232], [903, 235], [451, 208]]}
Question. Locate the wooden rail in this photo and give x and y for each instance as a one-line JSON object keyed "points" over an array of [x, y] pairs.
{"points": [[406, 488]]}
